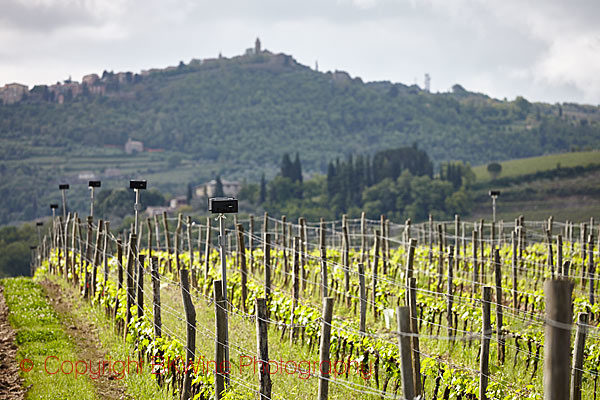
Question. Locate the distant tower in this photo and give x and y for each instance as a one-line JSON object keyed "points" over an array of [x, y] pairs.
{"points": [[257, 46], [427, 82], [317, 65]]}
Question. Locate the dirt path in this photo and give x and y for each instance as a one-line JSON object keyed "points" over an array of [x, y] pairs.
{"points": [[85, 336], [11, 385]]}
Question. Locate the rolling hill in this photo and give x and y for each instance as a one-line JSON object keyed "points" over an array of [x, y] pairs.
{"points": [[236, 117]]}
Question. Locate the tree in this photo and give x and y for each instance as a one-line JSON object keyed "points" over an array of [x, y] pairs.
{"points": [[189, 194], [263, 190], [287, 168], [297, 169], [219, 187], [494, 169]]}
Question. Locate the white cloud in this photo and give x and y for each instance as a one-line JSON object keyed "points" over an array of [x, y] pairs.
{"points": [[545, 50]]}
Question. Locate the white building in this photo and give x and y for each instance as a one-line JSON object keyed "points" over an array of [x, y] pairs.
{"points": [[230, 188]]}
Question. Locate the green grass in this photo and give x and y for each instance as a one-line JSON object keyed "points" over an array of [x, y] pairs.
{"points": [[139, 385], [573, 198], [39, 336], [531, 165]]}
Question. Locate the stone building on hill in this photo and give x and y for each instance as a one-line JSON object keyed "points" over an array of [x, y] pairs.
{"points": [[13, 93], [230, 188], [133, 146]]}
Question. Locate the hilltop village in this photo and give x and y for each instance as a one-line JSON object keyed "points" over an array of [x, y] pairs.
{"points": [[116, 84]]}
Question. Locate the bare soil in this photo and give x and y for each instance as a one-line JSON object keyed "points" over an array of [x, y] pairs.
{"points": [[11, 384], [85, 336]]}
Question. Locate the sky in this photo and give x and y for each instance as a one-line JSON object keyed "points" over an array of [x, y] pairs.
{"points": [[545, 50]]}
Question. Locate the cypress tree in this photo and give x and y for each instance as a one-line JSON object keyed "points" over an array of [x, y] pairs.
{"points": [[263, 190], [287, 169], [219, 187], [189, 193], [331, 189], [297, 169]]}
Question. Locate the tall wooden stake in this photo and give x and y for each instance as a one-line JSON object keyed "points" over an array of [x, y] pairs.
{"points": [[557, 343], [486, 335], [404, 344], [325, 363], [262, 340]]}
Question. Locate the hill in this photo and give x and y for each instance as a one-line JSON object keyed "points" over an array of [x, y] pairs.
{"points": [[236, 117], [565, 186], [531, 165]]}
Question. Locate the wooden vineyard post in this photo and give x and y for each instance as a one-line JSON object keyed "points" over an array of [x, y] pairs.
{"points": [[267, 264], [105, 255], [74, 273], [363, 298], [404, 345], [492, 239], [191, 251], [156, 298], [167, 241], [578, 354], [463, 242], [374, 270], [450, 292], [456, 241], [582, 243], [243, 270], [521, 242], [475, 263], [410, 259], [513, 237], [440, 257], [486, 335], [157, 231], [251, 242], [284, 246], [559, 255], [414, 328], [363, 239], [177, 244], [96, 258], [149, 225], [66, 246], [207, 249], [499, 315], [199, 245], [346, 258], [140, 286], [570, 236], [325, 363], [430, 239], [482, 271], [382, 245], [88, 250], [387, 236], [262, 340], [296, 285], [323, 249], [550, 256], [444, 235], [221, 362], [303, 254], [557, 339], [190, 318], [265, 226], [591, 267], [119, 274]]}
